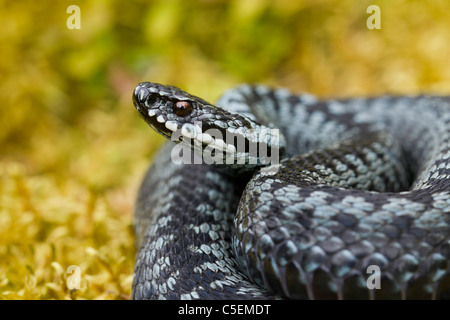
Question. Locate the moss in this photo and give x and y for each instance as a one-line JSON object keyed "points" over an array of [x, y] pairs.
{"points": [[73, 150]]}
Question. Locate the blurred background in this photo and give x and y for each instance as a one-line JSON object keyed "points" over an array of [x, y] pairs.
{"points": [[73, 150]]}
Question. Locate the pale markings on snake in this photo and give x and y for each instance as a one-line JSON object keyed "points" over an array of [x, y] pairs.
{"points": [[338, 202]]}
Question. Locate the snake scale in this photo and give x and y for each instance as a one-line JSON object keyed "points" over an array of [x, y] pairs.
{"points": [[356, 206]]}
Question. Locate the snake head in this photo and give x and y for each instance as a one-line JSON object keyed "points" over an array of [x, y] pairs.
{"points": [[180, 116], [166, 108]]}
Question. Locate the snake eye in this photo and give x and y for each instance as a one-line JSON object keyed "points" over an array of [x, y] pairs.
{"points": [[183, 108]]}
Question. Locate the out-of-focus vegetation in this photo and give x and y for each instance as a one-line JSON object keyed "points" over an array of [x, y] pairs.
{"points": [[73, 149]]}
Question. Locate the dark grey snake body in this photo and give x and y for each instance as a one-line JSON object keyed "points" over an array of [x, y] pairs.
{"points": [[364, 183]]}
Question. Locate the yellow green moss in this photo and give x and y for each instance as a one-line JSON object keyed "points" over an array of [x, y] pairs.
{"points": [[73, 150]]}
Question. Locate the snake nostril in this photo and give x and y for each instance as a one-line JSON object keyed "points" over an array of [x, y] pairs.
{"points": [[151, 99], [140, 94], [183, 108]]}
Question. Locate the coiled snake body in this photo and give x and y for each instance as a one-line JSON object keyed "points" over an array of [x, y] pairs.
{"points": [[357, 207]]}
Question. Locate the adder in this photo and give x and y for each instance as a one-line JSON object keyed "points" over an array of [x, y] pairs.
{"points": [[269, 194]]}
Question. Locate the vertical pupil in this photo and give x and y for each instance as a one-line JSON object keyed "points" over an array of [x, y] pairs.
{"points": [[182, 108]]}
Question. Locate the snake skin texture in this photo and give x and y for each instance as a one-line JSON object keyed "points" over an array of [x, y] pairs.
{"points": [[362, 183]]}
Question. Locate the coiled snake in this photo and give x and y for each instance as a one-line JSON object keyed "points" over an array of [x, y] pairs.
{"points": [[356, 208]]}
